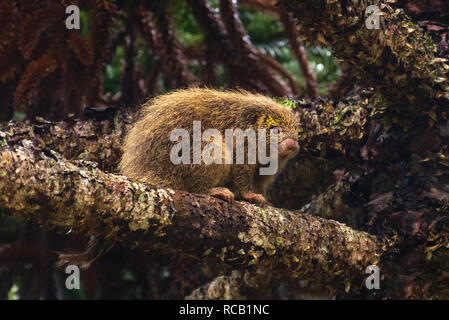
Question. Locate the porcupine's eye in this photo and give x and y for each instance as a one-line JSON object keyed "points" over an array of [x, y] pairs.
{"points": [[279, 129]]}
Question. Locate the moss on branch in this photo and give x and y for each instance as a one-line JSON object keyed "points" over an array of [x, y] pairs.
{"points": [[39, 184], [397, 59]]}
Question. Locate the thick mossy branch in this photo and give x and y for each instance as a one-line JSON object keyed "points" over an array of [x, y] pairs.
{"points": [[397, 59], [41, 185], [92, 140], [328, 128]]}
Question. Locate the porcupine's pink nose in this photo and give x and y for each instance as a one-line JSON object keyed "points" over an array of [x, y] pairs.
{"points": [[288, 148]]}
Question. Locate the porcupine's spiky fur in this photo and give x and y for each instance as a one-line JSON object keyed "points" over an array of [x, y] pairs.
{"points": [[147, 146]]}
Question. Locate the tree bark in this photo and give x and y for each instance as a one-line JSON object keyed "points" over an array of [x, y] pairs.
{"points": [[397, 59], [397, 184], [38, 184]]}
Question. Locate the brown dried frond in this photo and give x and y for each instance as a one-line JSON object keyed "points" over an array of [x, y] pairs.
{"points": [[8, 12], [62, 53], [28, 6], [33, 25], [82, 48], [57, 65], [10, 63], [34, 73]]}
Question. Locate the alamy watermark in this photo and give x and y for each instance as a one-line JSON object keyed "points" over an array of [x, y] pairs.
{"points": [[73, 20], [373, 280], [72, 282], [373, 20], [213, 153]]}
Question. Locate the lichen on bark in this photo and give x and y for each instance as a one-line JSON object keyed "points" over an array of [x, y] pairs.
{"points": [[40, 185], [397, 59]]}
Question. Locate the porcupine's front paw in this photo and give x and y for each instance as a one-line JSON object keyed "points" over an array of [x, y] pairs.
{"points": [[222, 193]]}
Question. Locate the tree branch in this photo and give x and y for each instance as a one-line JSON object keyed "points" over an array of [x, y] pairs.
{"points": [[39, 184], [397, 59], [329, 134]]}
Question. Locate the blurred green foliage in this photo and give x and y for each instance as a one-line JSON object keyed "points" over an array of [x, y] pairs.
{"points": [[85, 21], [187, 29]]}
